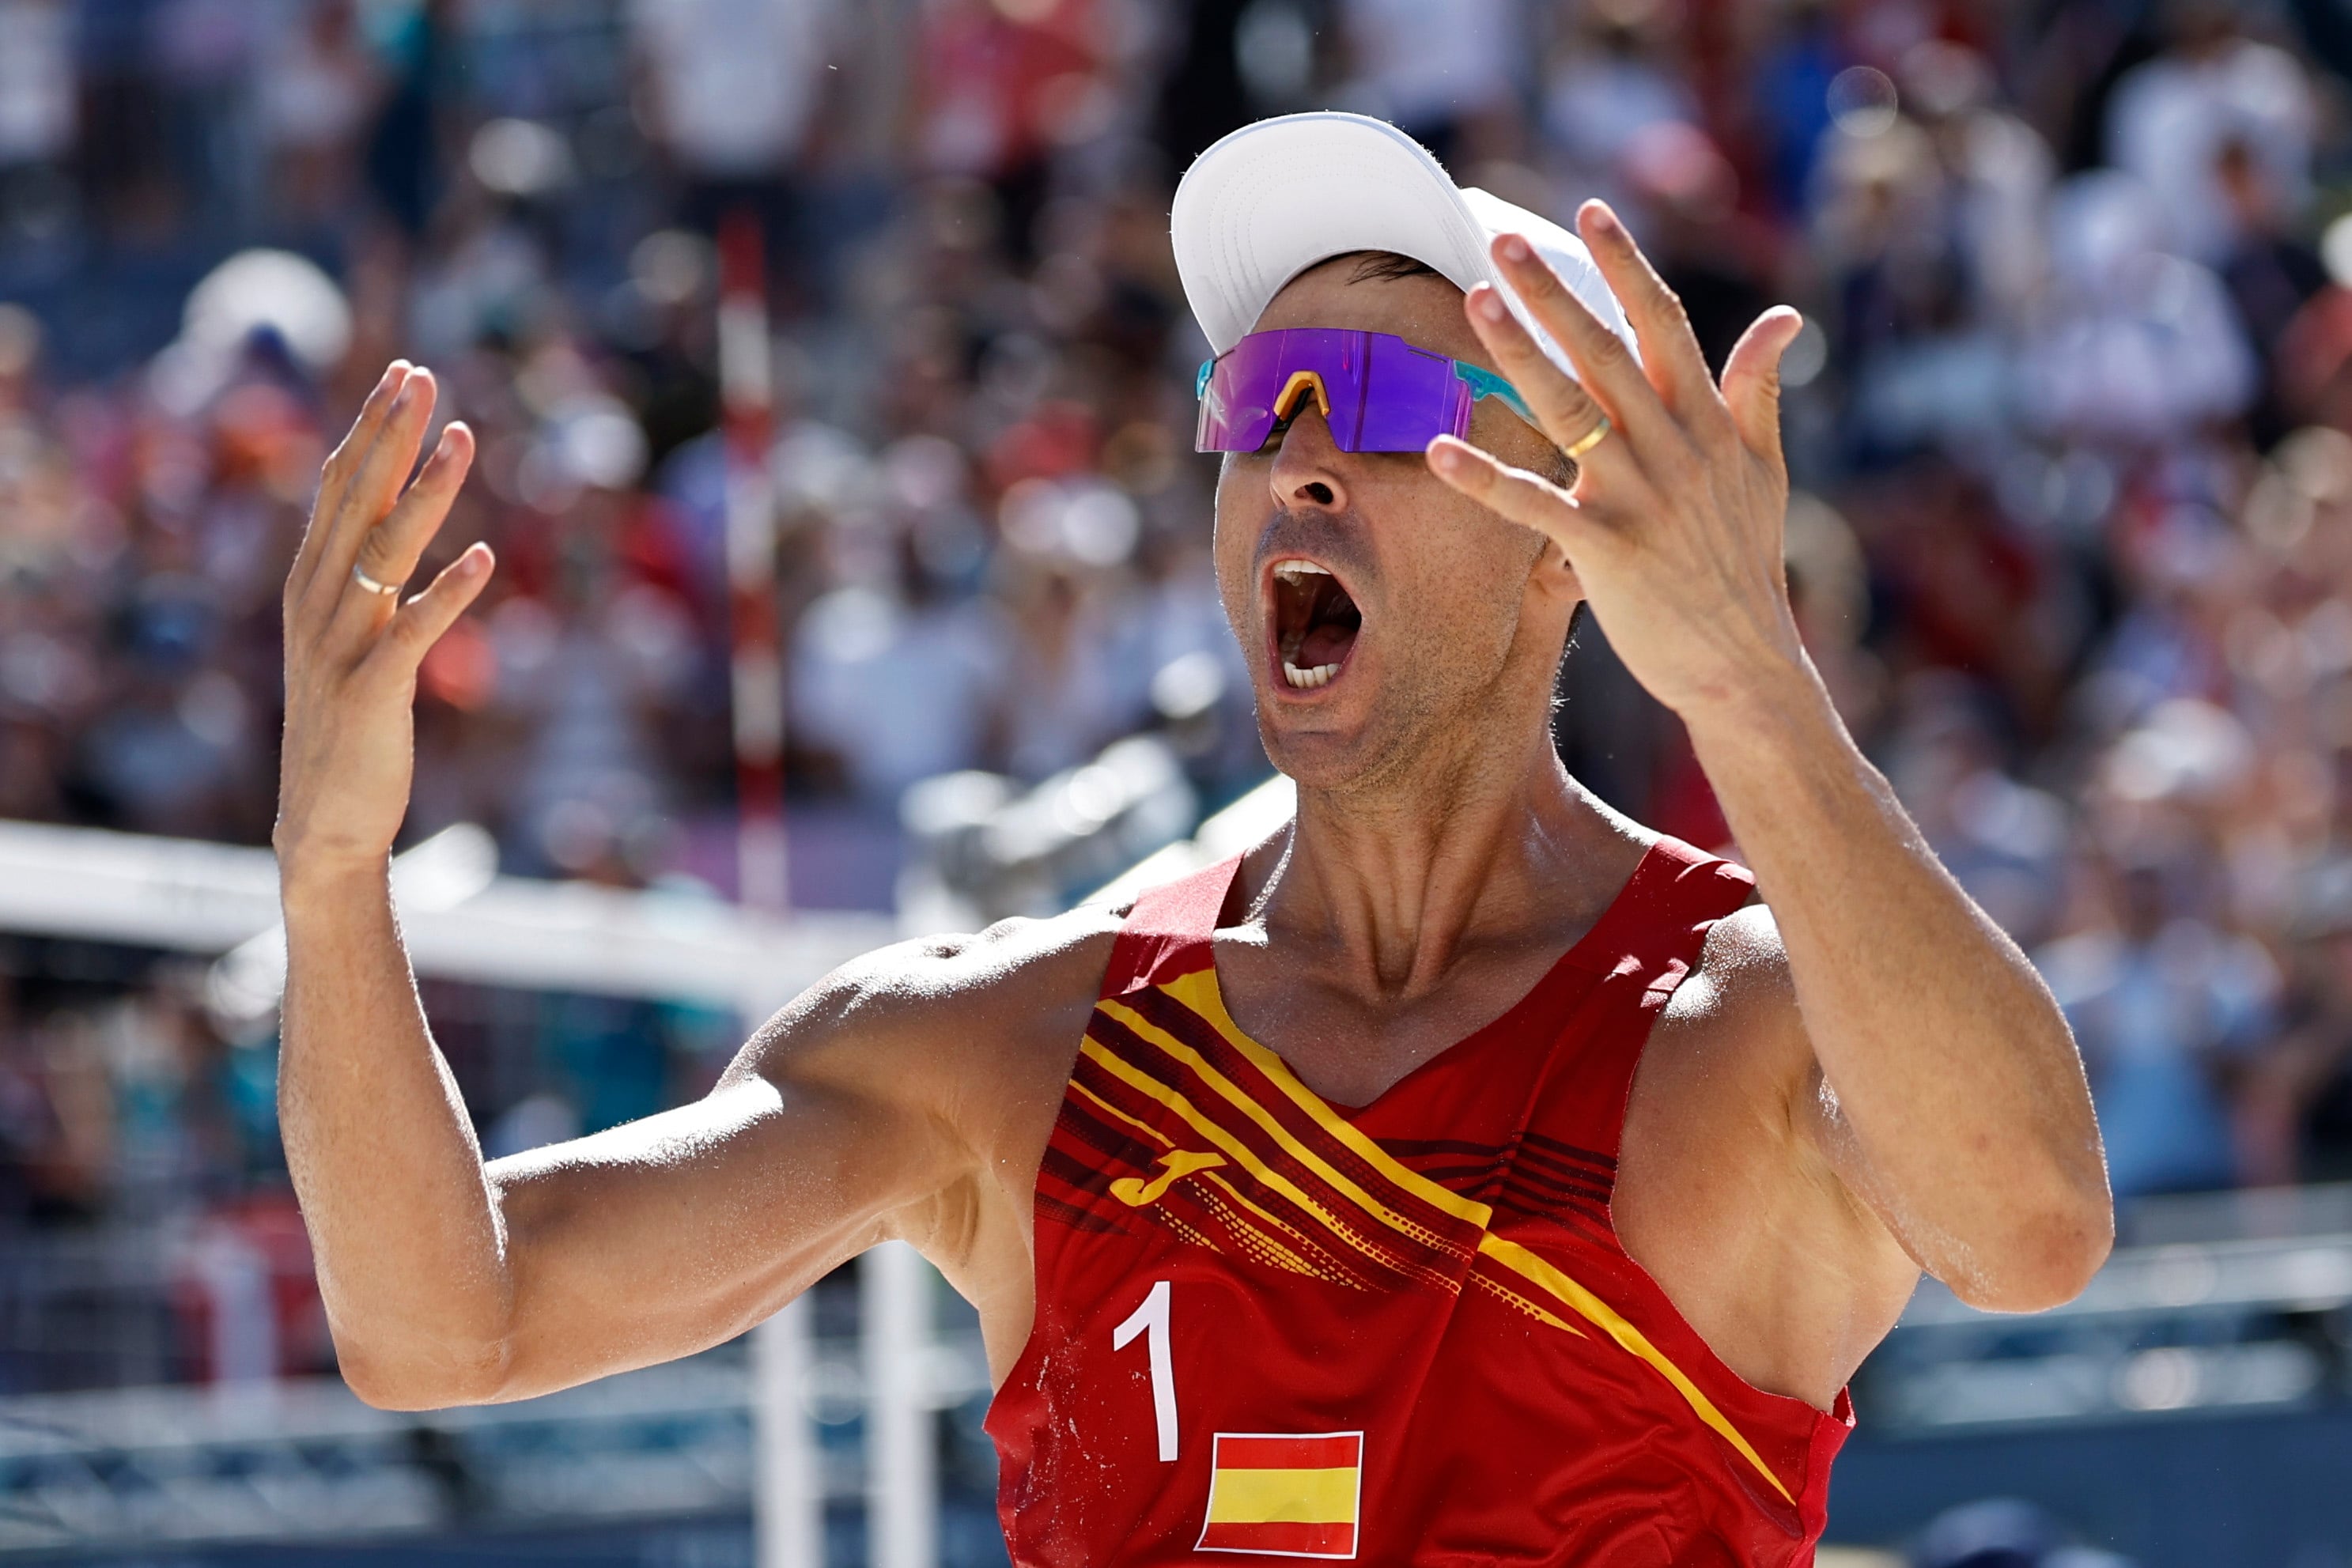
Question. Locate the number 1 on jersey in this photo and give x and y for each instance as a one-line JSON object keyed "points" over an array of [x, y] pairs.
{"points": [[1151, 1320]]}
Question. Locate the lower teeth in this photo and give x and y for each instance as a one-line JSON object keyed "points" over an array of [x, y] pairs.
{"points": [[1308, 678]]}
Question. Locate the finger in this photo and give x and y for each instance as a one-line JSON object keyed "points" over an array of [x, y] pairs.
{"points": [[1528, 499], [1751, 379], [421, 622], [1603, 363], [337, 474], [389, 552], [377, 478], [1670, 350], [1566, 410]]}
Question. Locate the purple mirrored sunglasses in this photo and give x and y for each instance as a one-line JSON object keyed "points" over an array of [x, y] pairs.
{"points": [[1376, 391]]}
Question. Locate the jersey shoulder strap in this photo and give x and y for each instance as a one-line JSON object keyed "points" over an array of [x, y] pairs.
{"points": [[1645, 945], [1692, 890], [1171, 930]]}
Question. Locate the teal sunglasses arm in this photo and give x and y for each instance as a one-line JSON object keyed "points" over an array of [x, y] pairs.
{"points": [[1483, 384]]}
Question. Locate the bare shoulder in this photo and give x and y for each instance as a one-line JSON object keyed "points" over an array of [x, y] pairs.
{"points": [[966, 1027], [1737, 1012], [958, 1047]]}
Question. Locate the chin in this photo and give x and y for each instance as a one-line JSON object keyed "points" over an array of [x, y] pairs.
{"points": [[1317, 764], [1319, 753]]}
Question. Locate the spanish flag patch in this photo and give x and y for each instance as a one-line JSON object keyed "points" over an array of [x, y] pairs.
{"points": [[1285, 1496]]}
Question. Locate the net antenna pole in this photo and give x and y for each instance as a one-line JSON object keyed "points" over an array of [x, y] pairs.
{"points": [[747, 395], [788, 1504]]}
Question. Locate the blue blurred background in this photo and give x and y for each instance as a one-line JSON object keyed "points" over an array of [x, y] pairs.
{"points": [[2071, 421]]}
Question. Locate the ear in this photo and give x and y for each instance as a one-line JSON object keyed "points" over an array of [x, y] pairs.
{"points": [[1553, 579]]}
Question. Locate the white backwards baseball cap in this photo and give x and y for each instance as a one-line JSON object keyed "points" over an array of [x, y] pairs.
{"points": [[1274, 198]]}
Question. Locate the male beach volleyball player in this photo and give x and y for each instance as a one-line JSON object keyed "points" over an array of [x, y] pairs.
{"points": [[1466, 1174]]}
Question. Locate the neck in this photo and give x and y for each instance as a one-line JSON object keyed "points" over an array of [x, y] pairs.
{"points": [[1393, 880]]}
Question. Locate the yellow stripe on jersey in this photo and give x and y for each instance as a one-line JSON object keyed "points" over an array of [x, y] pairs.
{"points": [[1198, 991], [1289, 1260], [1208, 1127], [1273, 1129]]}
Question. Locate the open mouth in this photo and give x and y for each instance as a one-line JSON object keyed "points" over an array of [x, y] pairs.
{"points": [[1314, 624]]}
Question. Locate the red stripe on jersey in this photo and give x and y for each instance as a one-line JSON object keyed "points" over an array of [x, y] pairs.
{"points": [[1341, 1452], [1319, 1540]]}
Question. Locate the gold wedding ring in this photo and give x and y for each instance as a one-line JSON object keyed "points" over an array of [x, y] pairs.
{"points": [[1589, 440], [371, 584]]}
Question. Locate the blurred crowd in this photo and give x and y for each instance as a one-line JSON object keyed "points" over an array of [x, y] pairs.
{"points": [[2072, 423]]}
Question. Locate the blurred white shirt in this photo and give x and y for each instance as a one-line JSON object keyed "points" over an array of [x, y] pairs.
{"points": [[898, 693], [1420, 61], [1594, 104], [2171, 118], [36, 81], [2138, 344], [735, 82]]}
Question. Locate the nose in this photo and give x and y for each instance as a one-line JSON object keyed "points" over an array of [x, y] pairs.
{"points": [[1307, 468]]}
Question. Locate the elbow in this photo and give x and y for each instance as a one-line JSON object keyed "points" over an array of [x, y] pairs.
{"points": [[2047, 1257], [438, 1377]]}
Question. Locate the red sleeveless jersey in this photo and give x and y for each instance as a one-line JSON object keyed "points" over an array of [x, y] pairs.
{"points": [[1275, 1325]]}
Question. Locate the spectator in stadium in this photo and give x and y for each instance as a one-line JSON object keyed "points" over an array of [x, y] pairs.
{"points": [[2172, 118], [320, 87], [2169, 1012], [730, 91], [2066, 336]]}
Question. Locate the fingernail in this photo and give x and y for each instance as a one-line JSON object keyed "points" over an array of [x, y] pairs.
{"points": [[441, 447], [470, 564], [1445, 455], [1490, 306], [1603, 219], [1514, 248]]}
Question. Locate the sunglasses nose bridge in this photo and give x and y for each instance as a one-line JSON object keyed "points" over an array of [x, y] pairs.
{"points": [[1297, 386], [1308, 468]]}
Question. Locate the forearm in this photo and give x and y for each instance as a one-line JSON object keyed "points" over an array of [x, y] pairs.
{"points": [[405, 1225], [1953, 1071]]}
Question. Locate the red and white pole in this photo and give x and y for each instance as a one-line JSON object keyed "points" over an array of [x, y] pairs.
{"points": [[747, 397], [788, 1500]]}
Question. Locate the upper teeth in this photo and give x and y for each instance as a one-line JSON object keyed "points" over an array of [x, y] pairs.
{"points": [[1317, 676], [1291, 570]]}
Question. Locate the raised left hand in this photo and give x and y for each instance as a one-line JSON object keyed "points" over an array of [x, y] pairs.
{"points": [[1673, 524]]}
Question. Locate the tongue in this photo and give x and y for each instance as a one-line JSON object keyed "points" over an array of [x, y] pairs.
{"points": [[1327, 643]]}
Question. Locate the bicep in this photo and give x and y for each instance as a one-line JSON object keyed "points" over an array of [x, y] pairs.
{"points": [[664, 1236]]}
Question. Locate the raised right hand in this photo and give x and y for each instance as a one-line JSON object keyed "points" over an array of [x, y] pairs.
{"points": [[352, 652]]}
